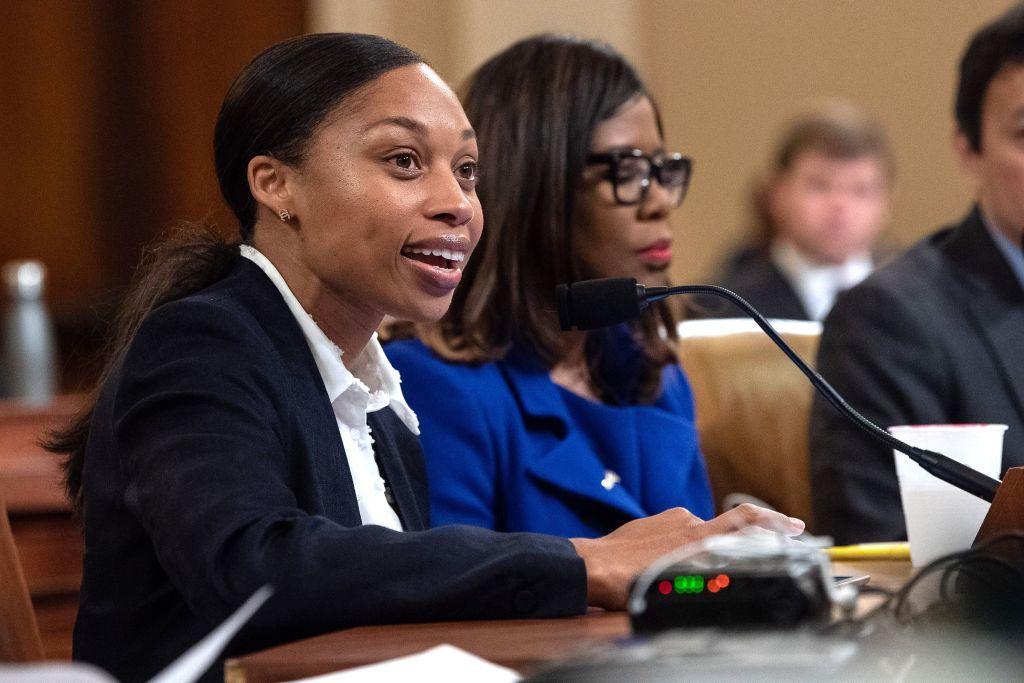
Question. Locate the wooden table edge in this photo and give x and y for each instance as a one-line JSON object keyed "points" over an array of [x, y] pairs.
{"points": [[887, 574]]}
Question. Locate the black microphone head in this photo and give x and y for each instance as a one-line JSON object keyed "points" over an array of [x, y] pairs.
{"points": [[592, 304]]}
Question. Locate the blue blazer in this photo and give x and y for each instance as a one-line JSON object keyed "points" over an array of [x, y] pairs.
{"points": [[215, 466], [508, 449]]}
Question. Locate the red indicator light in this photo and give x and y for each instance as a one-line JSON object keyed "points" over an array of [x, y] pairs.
{"points": [[723, 580], [713, 586], [665, 587]]}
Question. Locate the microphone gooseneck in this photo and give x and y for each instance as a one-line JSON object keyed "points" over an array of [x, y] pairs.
{"points": [[599, 303]]}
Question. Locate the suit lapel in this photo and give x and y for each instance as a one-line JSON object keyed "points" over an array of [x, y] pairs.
{"points": [[573, 468], [398, 448], [331, 472], [785, 294], [993, 298], [569, 464], [411, 510]]}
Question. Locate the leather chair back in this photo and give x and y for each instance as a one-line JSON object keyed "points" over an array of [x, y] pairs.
{"points": [[753, 409]]}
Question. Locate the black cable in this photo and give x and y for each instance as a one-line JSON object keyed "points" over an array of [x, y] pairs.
{"points": [[981, 569], [898, 604], [867, 590]]}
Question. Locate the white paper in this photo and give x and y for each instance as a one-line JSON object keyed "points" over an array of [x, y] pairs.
{"points": [[62, 672], [198, 658], [440, 663], [185, 669]]}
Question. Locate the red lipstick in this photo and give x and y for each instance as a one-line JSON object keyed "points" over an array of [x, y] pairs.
{"points": [[657, 253]]}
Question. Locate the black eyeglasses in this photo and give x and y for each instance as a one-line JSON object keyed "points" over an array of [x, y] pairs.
{"points": [[631, 171]]}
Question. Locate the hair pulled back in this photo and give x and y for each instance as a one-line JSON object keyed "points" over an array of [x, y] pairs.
{"points": [[274, 107]]}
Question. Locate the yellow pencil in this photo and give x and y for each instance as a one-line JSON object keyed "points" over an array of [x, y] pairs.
{"points": [[870, 551]]}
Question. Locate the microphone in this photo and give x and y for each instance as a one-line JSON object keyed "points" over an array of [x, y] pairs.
{"points": [[592, 304]]}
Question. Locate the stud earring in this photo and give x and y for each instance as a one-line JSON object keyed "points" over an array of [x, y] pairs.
{"points": [[285, 215]]}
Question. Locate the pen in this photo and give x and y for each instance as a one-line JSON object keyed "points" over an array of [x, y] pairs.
{"points": [[871, 551]]}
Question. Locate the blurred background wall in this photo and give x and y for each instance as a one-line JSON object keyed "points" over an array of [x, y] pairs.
{"points": [[727, 74], [108, 108], [107, 112]]}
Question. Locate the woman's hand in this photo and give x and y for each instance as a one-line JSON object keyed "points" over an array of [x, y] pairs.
{"points": [[613, 561]]}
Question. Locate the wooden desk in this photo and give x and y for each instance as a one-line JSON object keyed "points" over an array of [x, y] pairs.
{"points": [[887, 574], [48, 540], [523, 645]]}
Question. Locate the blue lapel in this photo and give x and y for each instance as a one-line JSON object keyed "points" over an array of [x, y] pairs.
{"points": [[569, 464]]}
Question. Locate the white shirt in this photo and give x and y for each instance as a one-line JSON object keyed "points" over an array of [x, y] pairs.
{"points": [[371, 385], [816, 285]]}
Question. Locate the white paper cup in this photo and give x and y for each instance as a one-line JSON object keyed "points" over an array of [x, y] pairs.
{"points": [[941, 518]]}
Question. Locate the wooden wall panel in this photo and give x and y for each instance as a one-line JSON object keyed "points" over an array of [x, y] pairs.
{"points": [[183, 57], [49, 178], [108, 113]]}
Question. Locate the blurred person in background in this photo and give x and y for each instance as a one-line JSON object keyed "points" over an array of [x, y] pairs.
{"points": [[525, 427], [819, 215], [936, 336]]}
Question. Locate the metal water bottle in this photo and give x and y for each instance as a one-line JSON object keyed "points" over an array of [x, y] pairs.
{"points": [[28, 369]]}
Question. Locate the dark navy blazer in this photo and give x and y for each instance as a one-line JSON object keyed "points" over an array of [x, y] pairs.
{"points": [[757, 279], [508, 449], [935, 337], [215, 466]]}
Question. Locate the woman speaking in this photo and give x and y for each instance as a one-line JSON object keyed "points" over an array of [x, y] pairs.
{"points": [[248, 429]]}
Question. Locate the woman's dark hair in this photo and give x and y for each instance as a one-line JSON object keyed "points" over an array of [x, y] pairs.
{"points": [[274, 107], [995, 45], [534, 107]]}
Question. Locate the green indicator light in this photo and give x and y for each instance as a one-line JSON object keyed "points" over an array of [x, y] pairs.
{"points": [[689, 584]]}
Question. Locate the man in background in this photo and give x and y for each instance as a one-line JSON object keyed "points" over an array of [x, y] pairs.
{"points": [[819, 214], [937, 336]]}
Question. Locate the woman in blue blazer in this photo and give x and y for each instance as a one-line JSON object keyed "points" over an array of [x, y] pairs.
{"points": [[248, 428], [526, 428]]}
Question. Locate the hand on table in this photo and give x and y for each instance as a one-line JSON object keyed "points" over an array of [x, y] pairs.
{"points": [[613, 561]]}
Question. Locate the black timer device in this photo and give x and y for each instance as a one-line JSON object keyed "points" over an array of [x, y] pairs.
{"points": [[747, 580]]}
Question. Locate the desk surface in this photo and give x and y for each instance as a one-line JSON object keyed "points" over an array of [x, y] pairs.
{"points": [[524, 644], [48, 539]]}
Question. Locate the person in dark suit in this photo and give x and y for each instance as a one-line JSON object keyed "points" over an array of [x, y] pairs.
{"points": [[820, 212], [248, 428], [938, 335], [579, 432]]}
